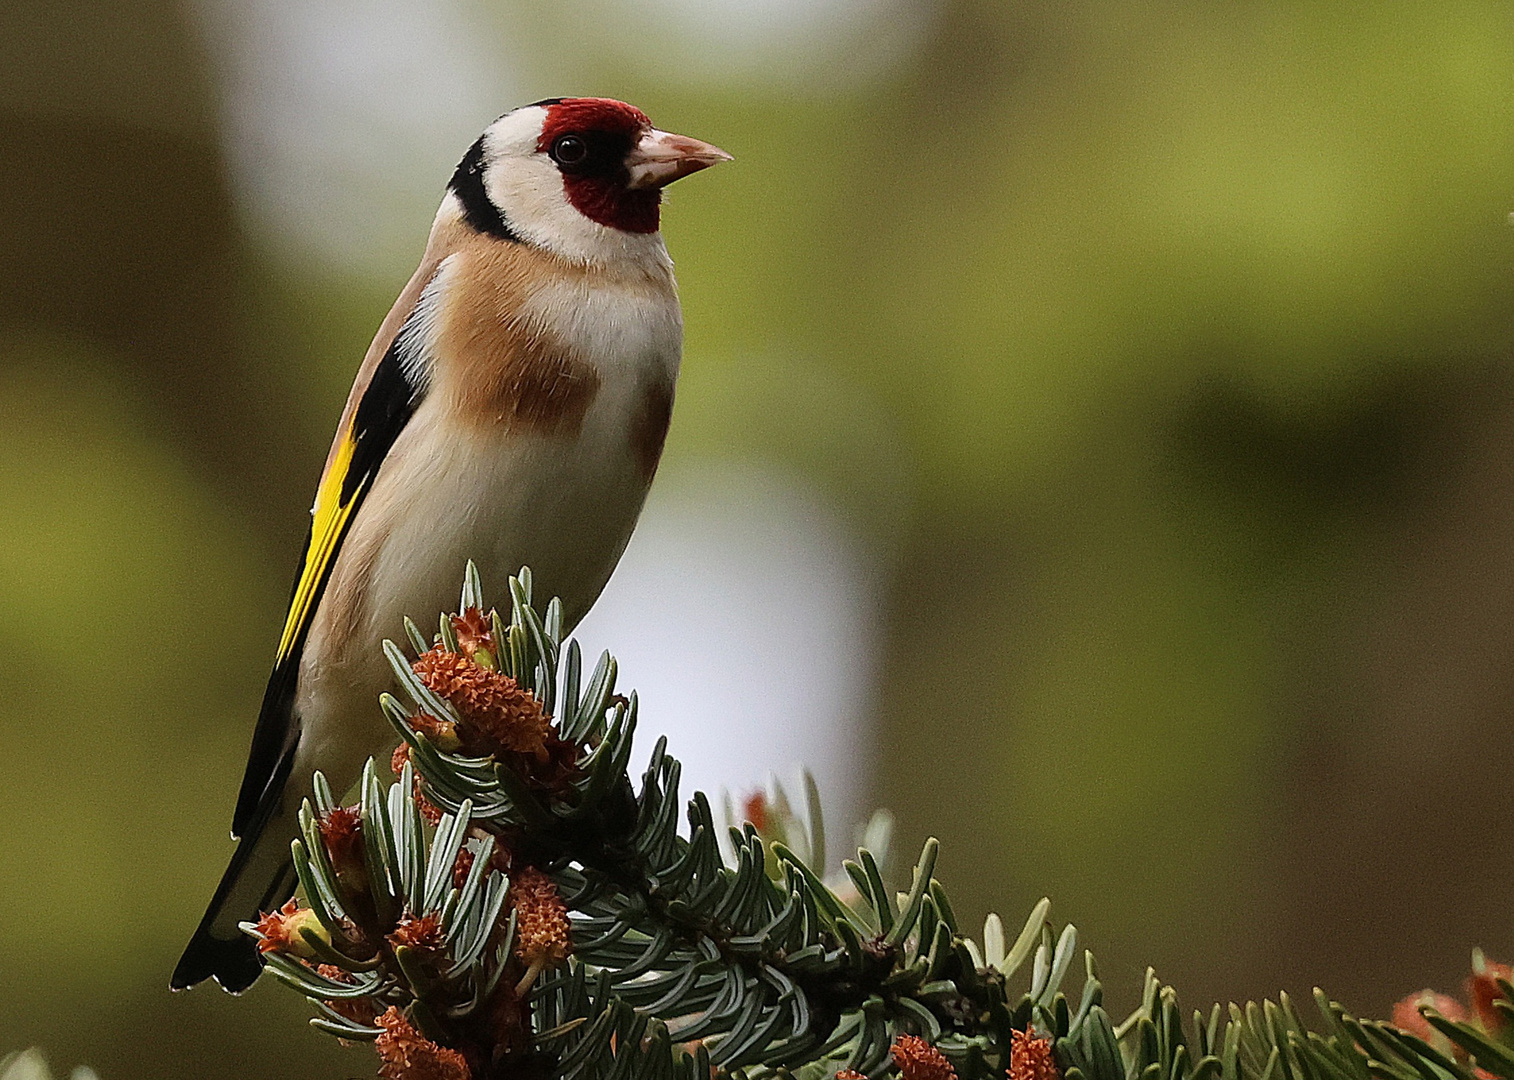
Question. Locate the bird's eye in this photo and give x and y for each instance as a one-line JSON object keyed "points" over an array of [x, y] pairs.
{"points": [[569, 150]]}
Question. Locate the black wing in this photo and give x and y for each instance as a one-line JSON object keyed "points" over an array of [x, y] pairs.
{"points": [[388, 402]]}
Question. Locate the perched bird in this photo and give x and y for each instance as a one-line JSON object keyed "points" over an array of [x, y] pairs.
{"points": [[511, 410]]}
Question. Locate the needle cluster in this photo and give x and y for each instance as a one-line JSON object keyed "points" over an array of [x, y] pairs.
{"points": [[512, 904]]}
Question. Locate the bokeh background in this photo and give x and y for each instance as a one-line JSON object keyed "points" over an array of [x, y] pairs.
{"points": [[1096, 443]]}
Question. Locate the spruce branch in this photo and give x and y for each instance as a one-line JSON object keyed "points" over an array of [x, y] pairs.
{"points": [[512, 904]]}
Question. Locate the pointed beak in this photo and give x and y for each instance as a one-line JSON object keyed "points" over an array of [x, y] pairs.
{"points": [[662, 157]]}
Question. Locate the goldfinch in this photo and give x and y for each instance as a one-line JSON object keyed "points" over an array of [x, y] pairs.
{"points": [[511, 410]]}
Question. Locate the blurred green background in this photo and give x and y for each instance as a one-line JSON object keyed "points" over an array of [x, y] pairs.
{"points": [[1158, 353]]}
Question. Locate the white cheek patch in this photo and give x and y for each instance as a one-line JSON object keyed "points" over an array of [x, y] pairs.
{"points": [[526, 187], [528, 190]]}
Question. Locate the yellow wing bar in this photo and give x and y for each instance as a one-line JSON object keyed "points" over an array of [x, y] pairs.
{"points": [[328, 523]]}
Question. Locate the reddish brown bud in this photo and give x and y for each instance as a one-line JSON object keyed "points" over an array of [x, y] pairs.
{"points": [[850, 1074], [1030, 1058], [498, 715], [543, 934], [358, 1010], [408, 1055], [441, 733], [462, 867], [341, 831], [397, 762], [280, 930], [919, 1060], [422, 934], [1483, 990], [429, 810], [755, 808], [475, 637], [1406, 1015]]}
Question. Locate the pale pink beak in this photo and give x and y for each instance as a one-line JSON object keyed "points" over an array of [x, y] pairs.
{"points": [[662, 157]]}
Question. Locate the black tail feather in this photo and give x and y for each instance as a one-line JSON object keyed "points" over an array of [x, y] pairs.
{"points": [[233, 964], [219, 949], [231, 960]]}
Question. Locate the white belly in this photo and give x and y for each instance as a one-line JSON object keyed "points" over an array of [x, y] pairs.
{"points": [[563, 506]]}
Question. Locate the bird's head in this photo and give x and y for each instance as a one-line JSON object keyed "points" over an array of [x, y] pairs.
{"points": [[581, 177]]}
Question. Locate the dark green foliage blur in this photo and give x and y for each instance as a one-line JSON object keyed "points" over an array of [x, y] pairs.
{"points": [[1159, 351]]}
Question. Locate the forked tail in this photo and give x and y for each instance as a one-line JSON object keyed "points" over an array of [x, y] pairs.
{"points": [[260, 878]]}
